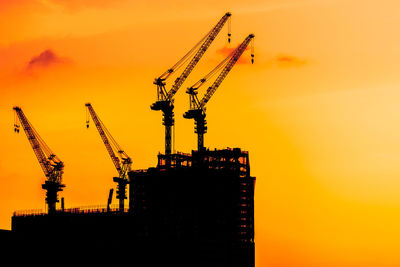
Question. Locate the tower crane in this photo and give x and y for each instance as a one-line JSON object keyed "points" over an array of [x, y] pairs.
{"points": [[121, 160], [197, 110], [52, 166], [165, 101]]}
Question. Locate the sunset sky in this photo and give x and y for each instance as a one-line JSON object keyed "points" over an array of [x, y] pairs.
{"points": [[319, 111]]}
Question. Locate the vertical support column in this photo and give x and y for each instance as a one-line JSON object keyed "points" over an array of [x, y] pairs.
{"points": [[110, 194], [200, 129], [168, 121], [62, 205], [131, 194], [168, 143], [52, 189], [121, 192], [200, 141]]}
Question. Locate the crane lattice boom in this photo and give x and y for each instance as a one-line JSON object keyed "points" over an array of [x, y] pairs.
{"points": [[197, 108], [51, 165], [122, 162], [233, 58], [200, 52], [165, 98]]}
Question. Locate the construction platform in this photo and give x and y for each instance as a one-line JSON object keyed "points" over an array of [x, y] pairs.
{"points": [[191, 210]]}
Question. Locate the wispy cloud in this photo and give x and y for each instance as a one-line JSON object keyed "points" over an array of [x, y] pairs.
{"points": [[226, 51], [46, 59], [281, 60], [279, 6], [74, 5], [284, 60], [67, 4]]}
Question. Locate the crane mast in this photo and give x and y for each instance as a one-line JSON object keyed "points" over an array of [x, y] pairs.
{"points": [[197, 110], [165, 101], [51, 165], [122, 162]]}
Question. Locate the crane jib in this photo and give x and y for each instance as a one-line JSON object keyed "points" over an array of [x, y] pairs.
{"points": [[197, 109], [165, 98], [229, 65], [200, 52], [48, 161], [121, 164]]}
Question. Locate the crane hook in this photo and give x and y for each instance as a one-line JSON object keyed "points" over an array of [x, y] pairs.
{"points": [[16, 128], [16, 123], [229, 30], [252, 51], [87, 116]]}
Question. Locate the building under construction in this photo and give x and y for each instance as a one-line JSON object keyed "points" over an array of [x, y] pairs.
{"points": [[199, 211], [190, 210]]}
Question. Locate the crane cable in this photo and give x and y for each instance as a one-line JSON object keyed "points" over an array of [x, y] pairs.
{"points": [[116, 147], [186, 57], [220, 66], [212, 73], [252, 51], [46, 149]]}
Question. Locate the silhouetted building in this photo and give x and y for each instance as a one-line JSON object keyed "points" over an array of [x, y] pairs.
{"points": [[191, 210]]}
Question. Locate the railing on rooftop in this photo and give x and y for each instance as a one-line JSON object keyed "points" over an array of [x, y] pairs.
{"points": [[77, 210]]}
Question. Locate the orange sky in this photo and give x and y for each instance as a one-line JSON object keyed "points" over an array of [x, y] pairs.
{"points": [[318, 110]]}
